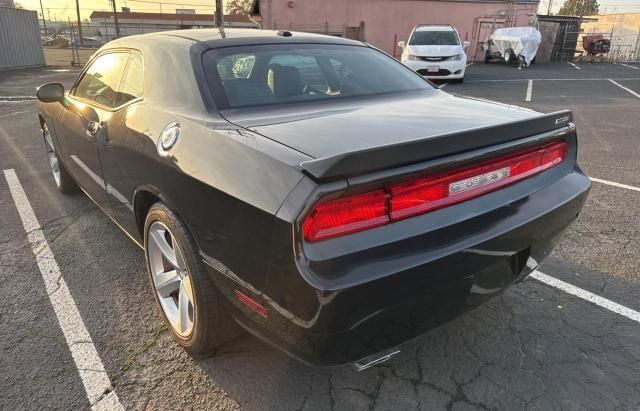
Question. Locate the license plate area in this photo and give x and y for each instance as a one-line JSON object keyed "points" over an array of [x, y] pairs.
{"points": [[433, 69]]}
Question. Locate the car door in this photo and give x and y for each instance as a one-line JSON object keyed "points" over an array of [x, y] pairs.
{"points": [[89, 106], [123, 151]]}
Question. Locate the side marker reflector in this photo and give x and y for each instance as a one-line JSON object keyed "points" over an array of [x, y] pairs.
{"points": [[251, 304]]}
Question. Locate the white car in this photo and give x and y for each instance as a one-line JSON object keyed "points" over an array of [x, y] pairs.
{"points": [[435, 52]]}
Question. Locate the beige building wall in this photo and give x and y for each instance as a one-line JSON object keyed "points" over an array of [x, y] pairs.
{"points": [[386, 19]]}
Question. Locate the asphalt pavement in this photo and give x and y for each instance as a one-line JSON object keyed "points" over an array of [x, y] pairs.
{"points": [[535, 347]]}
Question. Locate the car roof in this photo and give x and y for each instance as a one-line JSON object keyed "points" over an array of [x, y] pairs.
{"points": [[435, 28], [227, 37], [176, 48]]}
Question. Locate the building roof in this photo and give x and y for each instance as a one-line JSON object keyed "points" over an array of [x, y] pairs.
{"points": [[557, 18], [236, 18]]}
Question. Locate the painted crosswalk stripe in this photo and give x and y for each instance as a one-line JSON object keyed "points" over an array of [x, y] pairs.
{"points": [[92, 373]]}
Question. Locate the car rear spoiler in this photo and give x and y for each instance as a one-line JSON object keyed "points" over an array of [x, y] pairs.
{"points": [[406, 153]]}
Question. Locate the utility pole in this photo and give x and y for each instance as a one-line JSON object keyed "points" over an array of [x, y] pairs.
{"points": [[115, 18], [75, 56], [44, 22], [79, 22], [219, 20], [549, 8]]}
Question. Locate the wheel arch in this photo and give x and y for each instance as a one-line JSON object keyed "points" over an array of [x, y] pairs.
{"points": [[146, 196]]}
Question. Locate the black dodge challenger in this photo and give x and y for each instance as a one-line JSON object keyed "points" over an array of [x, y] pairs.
{"points": [[309, 189]]}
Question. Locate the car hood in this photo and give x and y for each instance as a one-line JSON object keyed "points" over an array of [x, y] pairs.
{"points": [[434, 51], [325, 129]]}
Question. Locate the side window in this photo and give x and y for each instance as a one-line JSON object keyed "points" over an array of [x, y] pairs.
{"points": [[132, 85], [100, 82]]}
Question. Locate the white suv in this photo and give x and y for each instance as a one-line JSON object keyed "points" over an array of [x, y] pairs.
{"points": [[435, 52]]}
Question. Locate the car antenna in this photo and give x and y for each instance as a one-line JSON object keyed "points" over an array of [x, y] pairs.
{"points": [[284, 33]]}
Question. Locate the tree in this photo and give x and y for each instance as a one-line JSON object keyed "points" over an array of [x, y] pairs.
{"points": [[238, 6], [579, 7]]}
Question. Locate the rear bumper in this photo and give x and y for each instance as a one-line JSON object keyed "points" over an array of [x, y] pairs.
{"points": [[438, 276]]}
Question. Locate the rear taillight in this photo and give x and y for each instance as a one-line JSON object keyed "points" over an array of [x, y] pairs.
{"points": [[346, 215], [394, 202]]}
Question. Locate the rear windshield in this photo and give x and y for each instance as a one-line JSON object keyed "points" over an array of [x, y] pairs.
{"points": [[434, 38], [278, 74]]}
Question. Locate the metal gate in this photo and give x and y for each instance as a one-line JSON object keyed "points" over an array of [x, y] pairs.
{"points": [[20, 43], [564, 47]]}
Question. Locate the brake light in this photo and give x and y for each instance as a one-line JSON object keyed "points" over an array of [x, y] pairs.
{"points": [[418, 196], [346, 215]]}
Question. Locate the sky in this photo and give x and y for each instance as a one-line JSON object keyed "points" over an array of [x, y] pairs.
{"points": [[606, 6], [61, 9]]}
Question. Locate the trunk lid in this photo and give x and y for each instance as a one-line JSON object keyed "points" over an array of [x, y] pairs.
{"points": [[398, 129]]}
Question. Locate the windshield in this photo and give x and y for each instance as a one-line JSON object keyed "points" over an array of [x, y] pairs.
{"points": [[434, 38], [278, 74]]}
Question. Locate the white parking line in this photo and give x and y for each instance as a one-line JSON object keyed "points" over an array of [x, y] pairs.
{"points": [[510, 80], [574, 66], [587, 296], [529, 90], [612, 183], [92, 373], [625, 88], [17, 97], [633, 67]]}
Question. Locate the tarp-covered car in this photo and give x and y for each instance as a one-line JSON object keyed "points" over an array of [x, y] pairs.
{"points": [[514, 45]]}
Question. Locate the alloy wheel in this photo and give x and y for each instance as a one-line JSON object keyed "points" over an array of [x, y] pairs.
{"points": [[171, 278]]}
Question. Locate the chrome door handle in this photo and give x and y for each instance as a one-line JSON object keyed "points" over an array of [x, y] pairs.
{"points": [[92, 128]]}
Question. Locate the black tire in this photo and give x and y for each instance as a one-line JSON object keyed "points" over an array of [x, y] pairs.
{"points": [[460, 80], [487, 57], [509, 56], [64, 182], [212, 325]]}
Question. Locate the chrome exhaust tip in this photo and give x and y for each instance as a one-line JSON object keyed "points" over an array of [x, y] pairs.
{"points": [[374, 360]]}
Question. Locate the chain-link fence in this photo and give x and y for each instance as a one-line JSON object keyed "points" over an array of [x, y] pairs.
{"points": [[625, 43]]}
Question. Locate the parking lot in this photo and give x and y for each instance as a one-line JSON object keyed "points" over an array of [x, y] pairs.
{"points": [[544, 344]]}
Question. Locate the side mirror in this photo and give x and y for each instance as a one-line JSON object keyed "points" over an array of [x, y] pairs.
{"points": [[466, 44], [401, 44], [50, 93]]}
